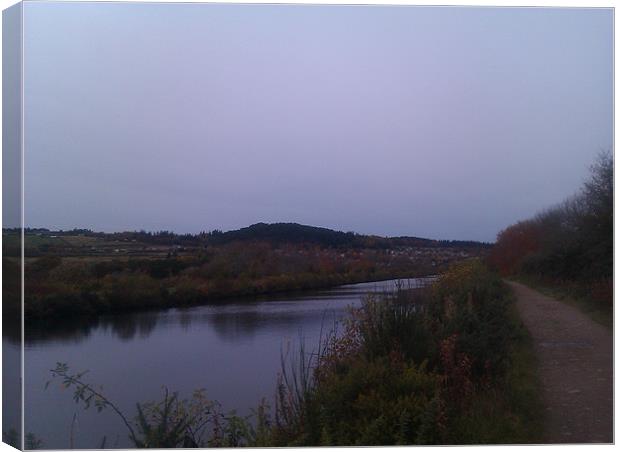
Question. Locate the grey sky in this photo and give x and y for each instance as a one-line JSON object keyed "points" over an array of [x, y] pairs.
{"points": [[436, 122]]}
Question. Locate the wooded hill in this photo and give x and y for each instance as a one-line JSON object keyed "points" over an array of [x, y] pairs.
{"points": [[275, 233]]}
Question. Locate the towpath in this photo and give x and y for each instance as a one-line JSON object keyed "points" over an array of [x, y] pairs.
{"points": [[575, 357]]}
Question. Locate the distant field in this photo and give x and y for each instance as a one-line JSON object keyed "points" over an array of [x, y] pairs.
{"points": [[81, 240], [80, 247], [32, 243], [35, 241]]}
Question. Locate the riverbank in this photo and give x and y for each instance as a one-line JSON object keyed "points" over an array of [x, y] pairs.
{"points": [[128, 292]]}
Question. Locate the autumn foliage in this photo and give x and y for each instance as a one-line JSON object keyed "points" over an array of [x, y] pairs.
{"points": [[515, 243]]}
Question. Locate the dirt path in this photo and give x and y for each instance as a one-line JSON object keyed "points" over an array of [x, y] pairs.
{"points": [[576, 368]]}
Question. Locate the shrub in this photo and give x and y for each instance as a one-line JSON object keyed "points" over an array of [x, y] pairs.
{"points": [[407, 366], [126, 291]]}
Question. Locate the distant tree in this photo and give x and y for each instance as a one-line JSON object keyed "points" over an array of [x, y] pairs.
{"points": [[596, 219], [513, 245]]}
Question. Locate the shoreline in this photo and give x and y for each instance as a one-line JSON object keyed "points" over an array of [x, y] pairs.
{"points": [[216, 299]]}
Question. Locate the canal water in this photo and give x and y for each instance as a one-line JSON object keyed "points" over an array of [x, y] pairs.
{"points": [[232, 350]]}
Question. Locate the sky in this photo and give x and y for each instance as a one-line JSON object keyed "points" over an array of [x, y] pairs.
{"points": [[446, 123]]}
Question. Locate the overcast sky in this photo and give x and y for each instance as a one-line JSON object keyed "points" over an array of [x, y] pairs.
{"points": [[446, 123]]}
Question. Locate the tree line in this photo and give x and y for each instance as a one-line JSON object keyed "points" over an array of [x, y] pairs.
{"points": [[570, 244], [276, 233]]}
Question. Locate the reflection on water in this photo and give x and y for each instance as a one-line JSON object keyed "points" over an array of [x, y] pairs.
{"points": [[232, 350], [231, 319], [125, 327]]}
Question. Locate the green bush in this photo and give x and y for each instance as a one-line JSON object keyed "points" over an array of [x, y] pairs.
{"points": [[410, 367]]}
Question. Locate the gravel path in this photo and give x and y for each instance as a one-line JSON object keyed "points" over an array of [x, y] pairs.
{"points": [[576, 368]]}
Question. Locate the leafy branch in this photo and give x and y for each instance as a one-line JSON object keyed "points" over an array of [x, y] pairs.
{"points": [[172, 422], [85, 393]]}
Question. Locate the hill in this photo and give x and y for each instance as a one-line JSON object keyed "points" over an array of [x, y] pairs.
{"points": [[44, 241]]}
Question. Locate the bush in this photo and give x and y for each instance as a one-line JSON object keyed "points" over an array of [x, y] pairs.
{"points": [[126, 291], [378, 402], [470, 307]]}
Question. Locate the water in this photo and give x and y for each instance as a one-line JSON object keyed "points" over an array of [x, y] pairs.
{"points": [[233, 350]]}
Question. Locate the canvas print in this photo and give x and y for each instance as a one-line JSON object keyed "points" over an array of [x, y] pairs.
{"points": [[287, 225]]}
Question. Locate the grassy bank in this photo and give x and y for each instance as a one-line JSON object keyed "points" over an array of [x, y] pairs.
{"points": [[513, 411], [448, 365]]}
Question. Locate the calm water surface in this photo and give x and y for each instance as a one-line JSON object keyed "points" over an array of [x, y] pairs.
{"points": [[232, 350]]}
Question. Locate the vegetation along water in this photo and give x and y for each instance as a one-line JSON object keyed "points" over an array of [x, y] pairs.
{"points": [[446, 364]]}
